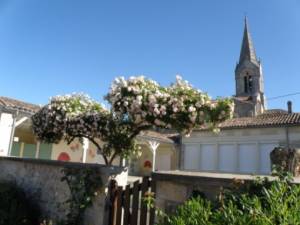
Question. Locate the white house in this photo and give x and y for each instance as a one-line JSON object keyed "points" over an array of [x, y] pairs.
{"points": [[243, 145], [14, 115], [245, 142]]}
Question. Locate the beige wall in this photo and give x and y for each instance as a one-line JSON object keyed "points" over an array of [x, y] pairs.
{"points": [[164, 151], [25, 136], [74, 150]]}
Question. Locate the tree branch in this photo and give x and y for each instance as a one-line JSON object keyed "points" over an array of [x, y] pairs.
{"points": [[100, 149], [95, 143], [112, 158]]}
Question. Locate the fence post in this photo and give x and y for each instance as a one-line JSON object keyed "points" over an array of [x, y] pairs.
{"points": [[112, 201], [126, 220], [119, 204], [143, 209], [135, 203], [152, 210]]}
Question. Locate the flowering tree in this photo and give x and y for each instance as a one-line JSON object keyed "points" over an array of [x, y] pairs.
{"points": [[137, 104]]}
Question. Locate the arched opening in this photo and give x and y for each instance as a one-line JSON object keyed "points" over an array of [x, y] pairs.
{"points": [[248, 83]]}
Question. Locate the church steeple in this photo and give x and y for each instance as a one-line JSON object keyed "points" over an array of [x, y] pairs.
{"points": [[247, 49], [249, 97]]}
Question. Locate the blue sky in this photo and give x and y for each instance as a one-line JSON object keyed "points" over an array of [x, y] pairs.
{"points": [[50, 47]]}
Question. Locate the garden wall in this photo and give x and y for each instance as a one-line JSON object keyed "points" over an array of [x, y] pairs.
{"points": [[41, 181], [174, 187]]}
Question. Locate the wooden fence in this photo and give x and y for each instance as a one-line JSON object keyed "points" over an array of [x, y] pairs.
{"points": [[128, 206]]}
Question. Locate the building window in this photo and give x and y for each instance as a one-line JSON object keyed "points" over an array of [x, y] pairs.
{"points": [[248, 83]]}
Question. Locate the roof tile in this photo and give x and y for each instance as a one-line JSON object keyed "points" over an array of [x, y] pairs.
{"points": [[14, 104], [267, 119]]}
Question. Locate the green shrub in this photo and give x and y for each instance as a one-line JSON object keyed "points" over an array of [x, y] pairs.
{"points": [[262, 202], [15, 209], [194, 212]]}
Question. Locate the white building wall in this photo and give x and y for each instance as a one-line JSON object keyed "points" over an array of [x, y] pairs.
{"points": [[209, 157], [248, 158], [235, 151], [6, 124], [227, 157], [192, 156]]}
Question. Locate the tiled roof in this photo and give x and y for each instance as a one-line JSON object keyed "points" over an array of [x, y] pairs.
{"points": [[275, 111], [13, 104], [159, 136], [271, 118]]}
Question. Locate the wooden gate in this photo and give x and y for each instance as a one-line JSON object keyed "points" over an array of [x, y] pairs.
{"points": [[128, 206]]}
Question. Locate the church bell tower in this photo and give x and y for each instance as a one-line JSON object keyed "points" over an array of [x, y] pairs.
{"points": [[249, 98]]}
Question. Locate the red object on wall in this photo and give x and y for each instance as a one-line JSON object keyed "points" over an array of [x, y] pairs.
{"points": [[64, 157], [147, 164]]}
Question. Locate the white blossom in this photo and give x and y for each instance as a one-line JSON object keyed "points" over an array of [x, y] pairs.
{"points": [[138, 101], [192, 109]]}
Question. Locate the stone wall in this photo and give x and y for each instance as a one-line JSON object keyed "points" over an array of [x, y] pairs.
{"points": [[174, 187], [287, 158], [41, 181]]}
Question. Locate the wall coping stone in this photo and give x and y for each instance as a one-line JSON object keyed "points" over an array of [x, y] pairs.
{"points": [[111, 169], [188, 176]]}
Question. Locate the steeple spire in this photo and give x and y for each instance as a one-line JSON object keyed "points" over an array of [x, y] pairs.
{"points": [[249, 80], [247, 50]]}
